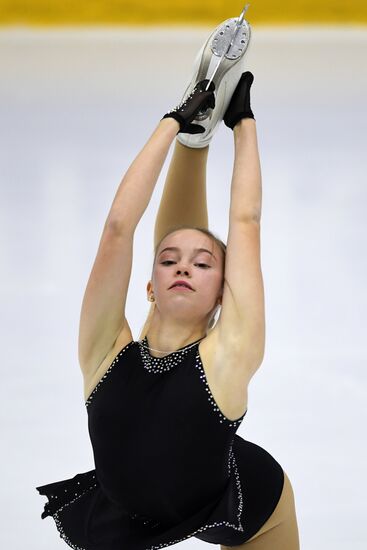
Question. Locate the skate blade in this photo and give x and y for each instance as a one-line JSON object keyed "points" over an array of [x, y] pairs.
{"points": [[211, 68]]}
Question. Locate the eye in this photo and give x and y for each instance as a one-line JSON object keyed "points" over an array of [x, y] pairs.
{"points": [[172, 262]]}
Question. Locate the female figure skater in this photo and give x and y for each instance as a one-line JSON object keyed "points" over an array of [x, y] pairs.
{"points": [[163, 410]]}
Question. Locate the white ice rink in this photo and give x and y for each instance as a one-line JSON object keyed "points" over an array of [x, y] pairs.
{"points": [[76, 107]]}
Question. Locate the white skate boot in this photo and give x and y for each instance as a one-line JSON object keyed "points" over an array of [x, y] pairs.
{"points": [[221, 60]]}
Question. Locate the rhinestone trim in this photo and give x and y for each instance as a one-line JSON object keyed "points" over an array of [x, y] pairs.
{"points": [[181, 106], [222, 417], [58, 522], [63, 535], [116, 359], [232, 464], [158, 365], [239, 527]]}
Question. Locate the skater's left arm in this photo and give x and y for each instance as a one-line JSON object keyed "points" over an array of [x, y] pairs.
{"points": [[246, 193], [242, 319]]}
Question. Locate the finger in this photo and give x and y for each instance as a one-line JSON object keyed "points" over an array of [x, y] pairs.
{"points": [[248, 77], [202, 85], [211, 86], [212, 101], [195, 129], [209, 100]]}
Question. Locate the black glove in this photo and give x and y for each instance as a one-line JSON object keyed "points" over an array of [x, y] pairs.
{"points": [[239, 106], [198, 100]]}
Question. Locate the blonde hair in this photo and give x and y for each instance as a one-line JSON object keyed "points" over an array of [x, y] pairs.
{"points": [[216, 240]]}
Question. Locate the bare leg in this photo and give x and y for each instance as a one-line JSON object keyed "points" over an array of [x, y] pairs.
{"points": [[280, 531], [184, 195]]}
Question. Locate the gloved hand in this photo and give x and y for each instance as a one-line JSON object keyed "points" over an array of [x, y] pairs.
{"points": [[198, 100], [239, 106]]}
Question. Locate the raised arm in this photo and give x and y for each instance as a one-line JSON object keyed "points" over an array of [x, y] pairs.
{"points": [[241, 325], [246, 192], [102, 315], [103, 308]]}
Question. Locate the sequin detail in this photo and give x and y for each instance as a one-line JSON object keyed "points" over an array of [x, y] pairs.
{"points": [[151, 523], [181, 106], [57, 520], [116, 359], [222, 418], [63, 535], [158, 365], [232, 466], [231, 463]]}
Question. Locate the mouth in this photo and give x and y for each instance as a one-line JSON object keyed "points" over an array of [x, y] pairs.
{"points": [[181, 285]]}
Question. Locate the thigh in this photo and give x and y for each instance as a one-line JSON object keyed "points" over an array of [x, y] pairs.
{"points": [[280, 531]]}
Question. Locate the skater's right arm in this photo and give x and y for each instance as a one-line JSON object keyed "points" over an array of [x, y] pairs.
{"points": [[102, 315]]}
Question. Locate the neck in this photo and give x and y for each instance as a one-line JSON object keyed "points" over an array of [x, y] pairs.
{"points": [[167, 334], [160, 343]]}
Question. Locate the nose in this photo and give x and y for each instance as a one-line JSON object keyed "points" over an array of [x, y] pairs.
{"points": [[182, 271]]}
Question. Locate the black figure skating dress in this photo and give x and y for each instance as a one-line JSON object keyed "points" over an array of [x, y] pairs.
{"points": [[168, 464]]}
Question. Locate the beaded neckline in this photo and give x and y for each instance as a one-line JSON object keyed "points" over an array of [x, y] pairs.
{"points": [[145, 344], [165, 363]]}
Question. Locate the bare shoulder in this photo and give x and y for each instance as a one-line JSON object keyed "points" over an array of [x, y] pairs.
{"points": [[226, 352], [90, 381], [227, 382]]}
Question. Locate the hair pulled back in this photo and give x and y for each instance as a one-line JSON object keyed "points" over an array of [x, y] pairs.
{"points": [[215, 239]]}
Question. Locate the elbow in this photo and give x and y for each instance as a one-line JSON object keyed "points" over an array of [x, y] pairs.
{"points": [[250, 213], [249, 216], [254, 216], [116, 226]]}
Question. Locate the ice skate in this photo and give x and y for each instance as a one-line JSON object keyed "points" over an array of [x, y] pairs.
{"points": [[221, 60]]}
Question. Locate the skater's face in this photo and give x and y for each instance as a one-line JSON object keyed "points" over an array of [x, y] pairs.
{"points": [[191, 256]]}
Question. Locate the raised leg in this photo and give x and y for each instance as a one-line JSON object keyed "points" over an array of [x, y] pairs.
{"points": [[184, 195], [183, 200], [280, 531]]}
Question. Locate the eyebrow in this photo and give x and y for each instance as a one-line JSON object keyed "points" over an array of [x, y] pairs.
{"points": [[176, 249]]}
